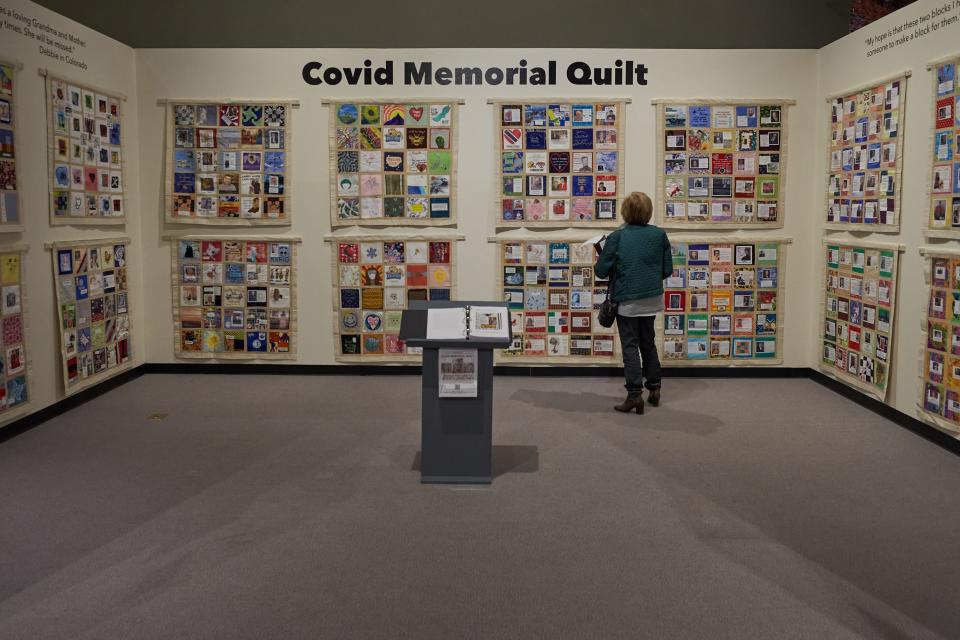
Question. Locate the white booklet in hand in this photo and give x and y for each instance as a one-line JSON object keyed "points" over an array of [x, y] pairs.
{"points": [[596, 241], [462, 323]]}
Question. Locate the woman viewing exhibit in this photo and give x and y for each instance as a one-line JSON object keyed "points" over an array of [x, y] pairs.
{"points": [[636, 259]]}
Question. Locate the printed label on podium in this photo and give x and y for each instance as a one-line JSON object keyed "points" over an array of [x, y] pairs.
{"points": [[458, 373]]}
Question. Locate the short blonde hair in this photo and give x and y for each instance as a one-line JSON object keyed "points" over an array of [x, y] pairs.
{"points": [[636, 208]]}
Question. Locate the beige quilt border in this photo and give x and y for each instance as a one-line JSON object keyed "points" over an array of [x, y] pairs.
{"points": [[898, 171], [169, 150], [295, 243], [97, 378], [830, 371], [928, 253], [408, 235], [498, 222], [930, 231], [15, 227], [336, 222], [719, 363], [26, 408], [86, 221], [660, 183], [578, 235]]}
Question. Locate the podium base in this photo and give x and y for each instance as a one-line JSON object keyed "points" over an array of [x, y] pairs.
{"points": [[455, 479]]}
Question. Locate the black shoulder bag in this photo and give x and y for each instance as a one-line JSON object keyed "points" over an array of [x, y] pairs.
{"points": [[608, 308]]}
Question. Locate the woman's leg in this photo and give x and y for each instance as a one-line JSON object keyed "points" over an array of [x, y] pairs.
{"points": [[648, 350], [629, 329]]}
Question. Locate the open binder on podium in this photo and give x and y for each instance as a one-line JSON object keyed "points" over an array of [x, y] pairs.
{"points": [[462, 323]]}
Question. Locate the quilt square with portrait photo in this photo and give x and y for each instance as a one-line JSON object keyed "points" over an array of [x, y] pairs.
{"points": [[94, 312], [864, 161], [559, 162], [240, 155], [247, 296], [944, 205], [86, 136], [711, 161], [550, 289], [714, 293], [857, 319]]}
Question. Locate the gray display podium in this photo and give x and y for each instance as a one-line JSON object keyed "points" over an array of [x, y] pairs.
{"points": [[456, 442]]}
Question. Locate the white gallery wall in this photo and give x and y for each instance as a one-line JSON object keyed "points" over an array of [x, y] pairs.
{"points": [[147, 76], [844, 65], [110, 65], [276, 73]]}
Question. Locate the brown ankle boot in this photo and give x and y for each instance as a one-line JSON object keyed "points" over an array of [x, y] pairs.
{"points": [[654, 397], [633, 402]]}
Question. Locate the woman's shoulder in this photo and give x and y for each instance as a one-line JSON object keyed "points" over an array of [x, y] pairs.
{"points": [[657, 231], [647, 229]]}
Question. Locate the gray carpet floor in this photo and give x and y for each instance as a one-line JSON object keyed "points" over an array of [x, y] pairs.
{"points": [[289, 507]]}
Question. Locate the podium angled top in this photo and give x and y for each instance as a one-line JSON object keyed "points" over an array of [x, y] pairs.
{"points": [[413, 326]]}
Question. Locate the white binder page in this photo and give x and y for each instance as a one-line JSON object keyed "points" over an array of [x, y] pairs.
{"points": [[447, 324]]}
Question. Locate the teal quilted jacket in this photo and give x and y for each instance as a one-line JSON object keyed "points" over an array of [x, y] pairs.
{"points": [[639, 254]]}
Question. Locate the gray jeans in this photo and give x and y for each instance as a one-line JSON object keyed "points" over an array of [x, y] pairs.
{"points": [[640, 360]]}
